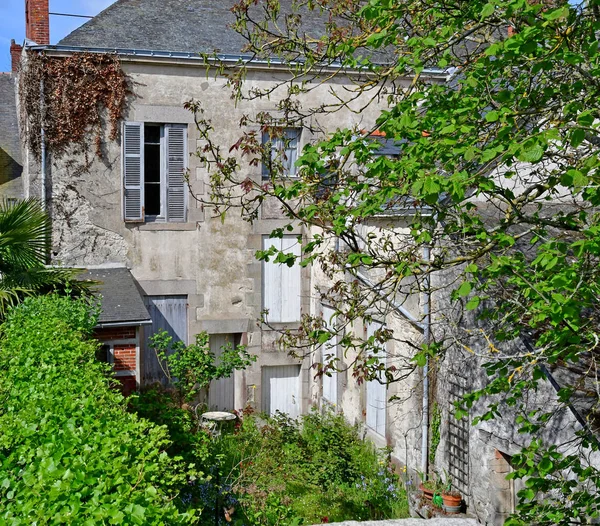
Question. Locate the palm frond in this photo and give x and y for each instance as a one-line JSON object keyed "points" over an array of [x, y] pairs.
{"points": [[25, 235]]}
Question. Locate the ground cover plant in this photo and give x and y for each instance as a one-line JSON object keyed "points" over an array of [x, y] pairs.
{"points": [[317, 469], [69, 451]]}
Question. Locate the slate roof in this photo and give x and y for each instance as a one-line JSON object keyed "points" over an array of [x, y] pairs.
{"points": [[11, 165], [190, 26], [121, 299]]}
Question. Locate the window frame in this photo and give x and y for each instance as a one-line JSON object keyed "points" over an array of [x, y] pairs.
{"points": [[134, 186], [278, 145]]}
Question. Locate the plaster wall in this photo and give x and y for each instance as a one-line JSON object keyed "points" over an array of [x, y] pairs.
{"points": [[210, 261]]}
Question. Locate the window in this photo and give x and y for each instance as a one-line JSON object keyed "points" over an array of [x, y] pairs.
{"points": [[376, 391], [284, 152], [329, 352], [154, 164], [281, 284]]}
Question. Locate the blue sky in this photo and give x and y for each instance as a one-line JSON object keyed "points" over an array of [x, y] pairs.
{"points": [[12, 21]]}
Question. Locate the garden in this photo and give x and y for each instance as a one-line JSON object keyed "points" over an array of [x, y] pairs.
{"points": [[73, 450]]}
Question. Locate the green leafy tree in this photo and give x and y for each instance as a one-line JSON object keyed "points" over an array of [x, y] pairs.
{"points": [[191, 368], [497, 174]]}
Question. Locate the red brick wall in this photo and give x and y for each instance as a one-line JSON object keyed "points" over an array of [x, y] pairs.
{"points": [[124, 357], [37, 21], [115, 333], [15, 55]]}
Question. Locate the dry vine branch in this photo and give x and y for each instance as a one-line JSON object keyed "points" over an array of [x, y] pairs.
{"points": [[67, 98]]}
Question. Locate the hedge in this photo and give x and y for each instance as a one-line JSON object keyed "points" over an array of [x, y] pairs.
{"points": [[70, 453]]}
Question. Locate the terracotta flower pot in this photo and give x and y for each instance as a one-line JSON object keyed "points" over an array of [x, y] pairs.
{"points": [[452, 502], [427, 493]]}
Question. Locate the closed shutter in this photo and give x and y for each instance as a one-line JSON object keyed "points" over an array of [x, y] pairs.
{"points": [[282, 286], [170, 314], [281, 390], [176, 140], [133, 171], [329, 352], [221, 392], [376, 392]]}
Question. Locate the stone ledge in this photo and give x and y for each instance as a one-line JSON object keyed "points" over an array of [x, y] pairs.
{"points": [[440, 521]]}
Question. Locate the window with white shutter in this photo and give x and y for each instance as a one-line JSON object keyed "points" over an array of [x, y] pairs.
{"points": [[281, 284], [376, 391], [329, 353], [154, 164]]}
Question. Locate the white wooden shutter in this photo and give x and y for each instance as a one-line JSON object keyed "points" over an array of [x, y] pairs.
{"points": [[281, 284], [281, 390], [330, 350], [176, 141], [376, 392], [290, 282], [133, 171]]}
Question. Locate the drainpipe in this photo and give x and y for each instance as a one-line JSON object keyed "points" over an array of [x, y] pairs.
{"points": [[43, 148], [426, 339]]}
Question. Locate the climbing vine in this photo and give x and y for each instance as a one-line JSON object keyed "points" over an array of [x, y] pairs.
{"points": [[72, 99]]}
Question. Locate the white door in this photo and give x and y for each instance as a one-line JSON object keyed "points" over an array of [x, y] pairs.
{"points": [[221, 392], [281, 390], [376, 392], [329, 351]]}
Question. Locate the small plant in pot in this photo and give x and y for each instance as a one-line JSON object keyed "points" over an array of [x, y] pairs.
{"points": [[430, 487], [452, 499]]}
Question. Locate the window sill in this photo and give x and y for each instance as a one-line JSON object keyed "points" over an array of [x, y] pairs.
{"points": [[167, 226]]}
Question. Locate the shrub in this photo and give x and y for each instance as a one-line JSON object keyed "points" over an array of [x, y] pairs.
{"points": [[69, 451]]}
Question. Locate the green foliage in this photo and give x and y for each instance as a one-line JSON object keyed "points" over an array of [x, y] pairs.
{"points": [[308, 470], [191, 368], [69, 451], [25, 241], [498, 173]]}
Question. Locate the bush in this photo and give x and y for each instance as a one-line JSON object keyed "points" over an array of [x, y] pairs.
{"points": [[313, 470], [69, 451]]}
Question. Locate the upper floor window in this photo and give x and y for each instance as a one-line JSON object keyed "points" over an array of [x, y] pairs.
{"points": [[154, 165], [281, 284], [284, 152]]}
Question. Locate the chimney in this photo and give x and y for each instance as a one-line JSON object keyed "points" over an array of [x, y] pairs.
{"points": [[37, 21], [15, 55]]}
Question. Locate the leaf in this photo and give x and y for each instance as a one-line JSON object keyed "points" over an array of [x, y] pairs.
{"points": [[473, 303], [492, 116], [488, 10], [577, 137], [531, 152], [464, 289]]}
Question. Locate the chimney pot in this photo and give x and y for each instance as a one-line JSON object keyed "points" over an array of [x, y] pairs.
{"points": [[37, 21], [15, 55]]}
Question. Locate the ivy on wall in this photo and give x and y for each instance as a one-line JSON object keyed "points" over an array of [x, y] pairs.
{"points": [[72, 99]]}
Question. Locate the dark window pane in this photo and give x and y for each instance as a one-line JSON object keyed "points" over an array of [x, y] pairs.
{"points": [[151, 134], [103, 354], [152, 199], [152, 163]]}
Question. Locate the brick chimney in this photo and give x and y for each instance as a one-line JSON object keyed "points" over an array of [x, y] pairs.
{"points": [[37, 21], [15, 55]]}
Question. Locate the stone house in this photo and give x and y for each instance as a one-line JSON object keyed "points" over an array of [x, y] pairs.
{"points": [[165, 260]]}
